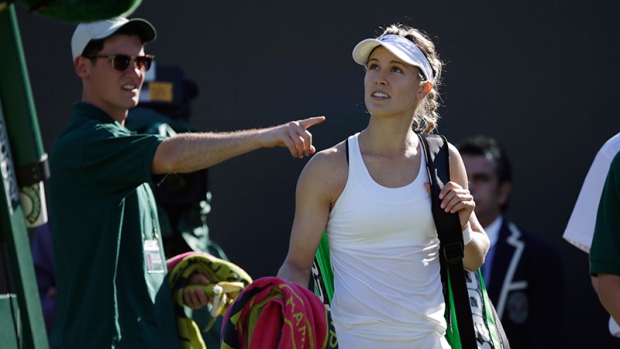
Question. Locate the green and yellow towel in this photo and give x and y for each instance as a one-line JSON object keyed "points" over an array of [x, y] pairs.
{"points": [[227, 281]]}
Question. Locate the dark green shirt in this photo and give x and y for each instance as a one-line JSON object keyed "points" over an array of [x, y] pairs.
{"points": [[102, 211], [605, 250]]}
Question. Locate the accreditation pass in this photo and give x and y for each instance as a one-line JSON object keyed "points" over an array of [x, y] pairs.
{"points": [[152, 253]]}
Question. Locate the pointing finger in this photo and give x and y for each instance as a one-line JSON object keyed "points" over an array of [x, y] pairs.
{"points": [[311, 121]]}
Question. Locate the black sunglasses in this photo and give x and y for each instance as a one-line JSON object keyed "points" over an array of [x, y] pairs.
{"points": [[121, 62]]}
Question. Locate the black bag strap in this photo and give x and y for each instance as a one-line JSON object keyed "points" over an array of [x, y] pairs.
{"points": [[450, 237]]}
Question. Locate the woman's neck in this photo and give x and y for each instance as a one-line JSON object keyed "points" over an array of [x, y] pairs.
{"points": [[390, 142]]}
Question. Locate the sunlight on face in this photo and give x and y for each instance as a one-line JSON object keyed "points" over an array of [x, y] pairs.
{"points": [[391, 86], [115, 92]]}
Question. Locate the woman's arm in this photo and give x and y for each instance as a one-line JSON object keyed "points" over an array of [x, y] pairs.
{"points": [[317, 188], [456, 198]]}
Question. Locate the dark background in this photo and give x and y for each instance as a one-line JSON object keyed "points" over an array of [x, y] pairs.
{"points": [[539, 75]]}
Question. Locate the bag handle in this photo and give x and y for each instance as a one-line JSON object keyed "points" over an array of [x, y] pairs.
{"points": [[450, 237]]}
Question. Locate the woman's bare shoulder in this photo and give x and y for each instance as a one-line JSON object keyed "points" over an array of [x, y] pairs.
{"points": [[334, 156], [327, 169]]}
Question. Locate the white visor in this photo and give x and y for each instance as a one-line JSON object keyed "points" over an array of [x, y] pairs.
{"points": [[401, 47]]}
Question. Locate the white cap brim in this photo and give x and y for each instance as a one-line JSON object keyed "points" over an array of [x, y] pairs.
{"points": [[85, 32]]}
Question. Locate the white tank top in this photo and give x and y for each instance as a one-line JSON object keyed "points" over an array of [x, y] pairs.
{"points": [[384, 250]]}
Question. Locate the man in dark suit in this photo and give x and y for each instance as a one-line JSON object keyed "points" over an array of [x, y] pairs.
{"points": [[523, 273]]}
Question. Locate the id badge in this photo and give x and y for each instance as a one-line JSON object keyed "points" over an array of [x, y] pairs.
{"points": [[154, 262]]}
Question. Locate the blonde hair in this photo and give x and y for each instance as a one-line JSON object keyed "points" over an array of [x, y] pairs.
{"points": [[426, 116]]}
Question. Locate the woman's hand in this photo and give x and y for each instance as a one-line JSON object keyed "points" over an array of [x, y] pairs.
{"points": [[455, 198]]}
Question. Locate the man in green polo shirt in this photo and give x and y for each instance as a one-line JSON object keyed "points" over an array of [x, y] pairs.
{"points": [[111, 275], [605, 250]]}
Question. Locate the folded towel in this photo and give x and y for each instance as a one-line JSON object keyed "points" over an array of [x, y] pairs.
{"points": [[272, 313], [227, 280]]}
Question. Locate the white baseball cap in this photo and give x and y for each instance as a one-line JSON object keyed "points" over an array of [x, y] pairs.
{"points": [[85, 32], [401, 47]]}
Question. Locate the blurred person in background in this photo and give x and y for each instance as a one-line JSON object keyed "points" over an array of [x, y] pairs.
{"points": [[523, 274]]}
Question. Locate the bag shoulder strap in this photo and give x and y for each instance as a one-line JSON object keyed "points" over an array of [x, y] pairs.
{"points": [[438, 167], [450, 237]]}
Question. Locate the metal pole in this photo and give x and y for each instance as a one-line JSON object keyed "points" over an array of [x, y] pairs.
{"points": [[20, 151]]}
